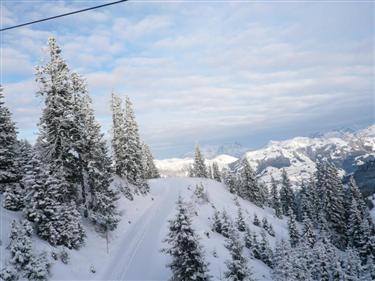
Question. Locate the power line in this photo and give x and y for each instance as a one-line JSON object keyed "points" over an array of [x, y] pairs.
{"points": [[63, 15]]}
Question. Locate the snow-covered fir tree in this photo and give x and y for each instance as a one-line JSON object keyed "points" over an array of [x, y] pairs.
{"points": [[216, 175], [118, 135], [8, 140], [99, 200], [209, 171], [226, 224], [240, 221], [133, 149], [330, 189], [23, 263], [150, 170], [308, 235], [266, 254], [58, 126], [230, 181], [60, 223], [286, 193], [237, 269], [294, 235], [283, 265], [34, 182], [249, 187], [199, 166], [275, 199], [188, 262], [216, 222], [265, 224]]}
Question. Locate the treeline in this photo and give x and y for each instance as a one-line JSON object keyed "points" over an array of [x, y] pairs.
{"points": [[66, 176]]}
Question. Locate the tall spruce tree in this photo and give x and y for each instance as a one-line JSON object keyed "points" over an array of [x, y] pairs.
{"points": [[118, 135], [188, 262], [286, 193], [149, 167], [216, 172], [8, 140], [275, 199], [237, 269], [294, 235], [331, 191], [249, 187], [133, 149], [99, 198], [199, 167], [58, 127]]}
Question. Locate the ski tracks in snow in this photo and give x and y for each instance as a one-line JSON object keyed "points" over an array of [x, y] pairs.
{"points": [[138, 255]]}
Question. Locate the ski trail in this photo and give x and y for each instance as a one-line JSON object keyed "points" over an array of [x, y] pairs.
{"points": [[138, 256]]}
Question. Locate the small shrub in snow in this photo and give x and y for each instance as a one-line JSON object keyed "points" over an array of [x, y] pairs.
{"points": [[92, 269], [64, 256], [256, 220]]}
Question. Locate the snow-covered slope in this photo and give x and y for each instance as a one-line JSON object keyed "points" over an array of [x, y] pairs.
{"points": [[134, 248], [179, 166], [298, 155]]}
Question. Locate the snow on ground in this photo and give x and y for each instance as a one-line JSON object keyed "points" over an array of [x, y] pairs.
{"points": [[134, 248]]}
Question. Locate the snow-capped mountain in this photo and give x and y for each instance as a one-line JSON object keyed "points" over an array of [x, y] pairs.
{"points": [[211, 151], [179, 166], [298, 155]]}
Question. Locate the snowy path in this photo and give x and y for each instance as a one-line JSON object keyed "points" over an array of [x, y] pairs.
{"points": [[138, 256]]}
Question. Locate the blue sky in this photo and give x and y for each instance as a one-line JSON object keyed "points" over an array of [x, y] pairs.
{"points": [[203, 71]]}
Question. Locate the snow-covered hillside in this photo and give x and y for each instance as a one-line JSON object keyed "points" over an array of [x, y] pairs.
{"points": [[179, 166], [134, 247]]}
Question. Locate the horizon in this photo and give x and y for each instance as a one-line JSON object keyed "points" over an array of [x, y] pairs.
{"points": [[195, 79]]}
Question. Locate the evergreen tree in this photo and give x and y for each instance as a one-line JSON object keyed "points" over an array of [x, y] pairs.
{"points": [[271, 231], [61, 220], [265, 250], [23, 263], [237, 269], [8, 140], [275, 199], [352, 265], [58, 126], [240, 221], [330, 189], [216, 222], [255, 246], [118, 135], [98, 197], [249, 187], [184, 248], [216, 172], [34, 182], [149, 167], [226, 224], [292, 229], [209, 171], [286, 193], [265, 224], [133, 150], [308, 236], [199, 167], [283, 264], [230, 181], [248, 237]]}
